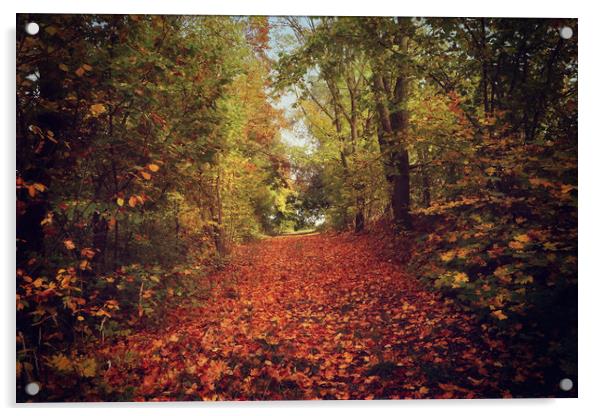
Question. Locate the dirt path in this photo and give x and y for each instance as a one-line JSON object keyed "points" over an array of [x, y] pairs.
{"points": [[310, 317]]}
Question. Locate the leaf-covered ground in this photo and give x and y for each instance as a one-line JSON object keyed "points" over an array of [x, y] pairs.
{"points": [[310, 317]]}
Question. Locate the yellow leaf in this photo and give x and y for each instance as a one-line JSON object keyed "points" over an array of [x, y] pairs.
{"points": [[516, 245], [39, 187], [565, 188], [523, 280], [214, 371], [51, 30], [120, 202], [88, 367], [102, 312], [146, 175], [47, 219], [60, 362], [64, 67], [69, 244], [97, 109], [499, 315], [502, 273], [132, 201], [459, 278], [550, 246], [84, 264], [87, 67], [202, 360], [523, 238], [38, 282], [80, 318], [540, 182], [153, 168], [448, 256], [490, 171], [462, 253]]}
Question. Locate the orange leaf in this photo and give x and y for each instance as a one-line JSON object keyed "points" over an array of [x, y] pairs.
{"points": [[88, 253], [97, 109], [39, 187], [499, 315]]}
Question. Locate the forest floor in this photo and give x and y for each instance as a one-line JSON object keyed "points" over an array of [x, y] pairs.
{"points": [[321, 316]]}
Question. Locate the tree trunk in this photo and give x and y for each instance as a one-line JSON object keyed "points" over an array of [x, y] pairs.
{"points": [[31, 211], [393, 115], [359, 215], [220, 241], [399, 123]]}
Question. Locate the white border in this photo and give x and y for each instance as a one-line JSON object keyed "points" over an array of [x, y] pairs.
{"points": [[506, 8], [590, 152]]}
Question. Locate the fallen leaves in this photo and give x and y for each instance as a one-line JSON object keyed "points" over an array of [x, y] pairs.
{"points": [[60, 362], [522, 238], [88, 367], [348, 327]]}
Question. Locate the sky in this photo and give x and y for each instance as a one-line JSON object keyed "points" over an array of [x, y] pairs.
{"points": [[298, 134]]}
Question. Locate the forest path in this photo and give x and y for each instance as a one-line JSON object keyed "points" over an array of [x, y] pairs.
{"points": [[311, 316]]}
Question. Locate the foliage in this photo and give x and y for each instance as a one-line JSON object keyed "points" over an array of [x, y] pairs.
{"points": [[149, 149], [145, 147]]}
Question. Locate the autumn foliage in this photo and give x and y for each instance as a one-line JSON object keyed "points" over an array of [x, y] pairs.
{"points": [[166, 164]]}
